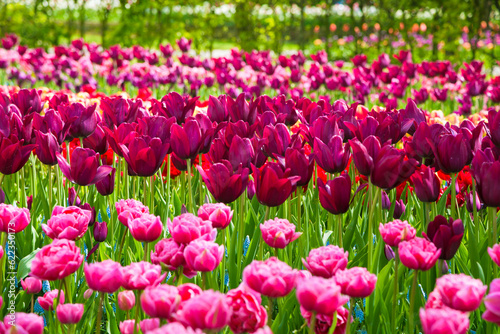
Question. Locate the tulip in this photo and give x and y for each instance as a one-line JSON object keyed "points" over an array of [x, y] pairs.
{"points": [[169, 253], [335, 195], [127, 327], [104, 276], [320, 295], [203, 255], [494, 126], [69, 313], [240, 110], [492, 313], [189, 140], [31, 285], [126, 300], [271, 277], [156, 127], [174, 105], [208, 311], [426, 184], [240, 153], [247, 313], [325, 261], [418, 254], [437, 321], [332, 157], [488, 184], [356, 282], [83, 119], [87, 294], [493, 252], [51, 122], [452, 152], [84, 169], [118, 110], [324, 322], [446, 235], [390, 168], [23, 323], [276, 139], [13, 154], [47, 147], [188, 291], [469, 202], [160, 301], [278, 233], [396, 231], [272, 184], [100, 231], [399, 209], [300, 165], [67, 223], [97, 141], [27, 100], [219, 214], [224, 185], [121, 135], [12, 219], [47, 301], [56, 261], [187, 227], [461, 292], [216, 110], [139, 275], [364, 153], [149, 325], [129, 209], [146, 228], [175, 327], [145, 155]]}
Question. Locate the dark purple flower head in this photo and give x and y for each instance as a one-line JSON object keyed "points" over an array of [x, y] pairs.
{"points": [[273, 185], [446, 235], [224, 184], [84, 169], [335, 195], [83, 119]]}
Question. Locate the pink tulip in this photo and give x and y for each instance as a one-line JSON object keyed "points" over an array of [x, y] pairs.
{"points": [[1, 302], [67, 223], [87, 294], [140, 275], [278, 233], [187, 227], [31, 285], [175, 327], [69, 313], [129, 209], [396, 231], [492, 303], [326, 260], [203, 255], [160, 301], [461, 292], [247, 313], [146, 228], [56, 261], [208, 311], [418, 254], [434, 300], [356, 282], [12, 219], [325, 321], [126, 300], [1, 252], [320, 295], [271, 277], [188, 291], [264, 330], [127, 327], [169, 253], [104, 276], [447, 320], [218, 213], [47, 301], [148, 325], [493, 252], [28, 323]]}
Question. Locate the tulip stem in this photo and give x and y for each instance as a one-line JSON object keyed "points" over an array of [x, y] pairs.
{"points": [[426, 215], [312, 326], [453, 195], [1, 178], [492, 211], [137, 308], [144, 192], [32, 302], [99, 314], [349, 316], [23, 189], [241, 234], [145, 258], [299, 217], [411, 328], [76, 195], [200, 184], [50, 189], [121, 245], [190, 189], [111, 221], [223, 262], [118, 175], [474, 207], [340, 227], [270, 303], [395, 293], [152, 199]]}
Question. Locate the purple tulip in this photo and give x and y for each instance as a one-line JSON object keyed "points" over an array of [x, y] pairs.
{"points": [[100, 231], [47, 147], [335, 195], [426, 183], [123, 134], [217, 111], [190, 139], [51, 122], [84, 169], [106, 186], [83, 119], [97, 141], [13, 154], [145, 155], [174, 105], [300, 165], [446, 235], [118, 110], [486, 170], [273, 185], [452, 152], [224, 184], [334, 157], [494, 126]]}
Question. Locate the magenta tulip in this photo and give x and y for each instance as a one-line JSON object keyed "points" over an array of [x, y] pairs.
{"points": [[438, 321], [320, 295], [140, 275], [84, 169], [396, 231], [69, 313], [126, 300], [146, 228], [278, 233], [418, 254], [208, 311], [219, 214], [47, 301], [461, 292], [104, 276], [356, 282], [67, 223], [56, 261], [187, 227], [31, 285], [325, 261], [203, 255], [160, 301], [271, 277], [12, 219], [247, 313]]}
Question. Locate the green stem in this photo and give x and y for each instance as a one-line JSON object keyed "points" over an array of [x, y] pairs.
{"points": [[426, 216], [50, 189], [99, 314], [241, 234], [493, 219], [411, 328], [453, 196], [299, 218], [395, 293], [119, 258], [190, 189], [312, 326], [223, 263], [137, 308], [474, 208], [144, 192], [1, 178], [270, 302], [340, 227], [145, 258], [32, 302], [200, 181], [349, 316], [111, 221], [152, 195]]}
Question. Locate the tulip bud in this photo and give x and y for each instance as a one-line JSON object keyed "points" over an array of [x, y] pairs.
{"points": [[31, 285], [469, 202], [88, 293], [69, 313], [126, 300], [87, 206], [250, 189], [29, 201], [100, 231], [386, 202], [73, 199], [2, 196], [106, 186], [389, 252], [399, 209], [444, 268]]}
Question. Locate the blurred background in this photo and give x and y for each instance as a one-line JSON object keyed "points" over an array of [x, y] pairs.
{"points": [[457, 30]]}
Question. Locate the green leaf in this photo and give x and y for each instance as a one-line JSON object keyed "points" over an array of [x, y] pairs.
{"points": [[24, 267]]}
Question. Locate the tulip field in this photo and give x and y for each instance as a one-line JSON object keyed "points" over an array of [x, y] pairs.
{"points": [[160, 191]]}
